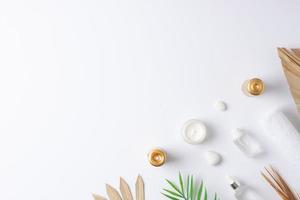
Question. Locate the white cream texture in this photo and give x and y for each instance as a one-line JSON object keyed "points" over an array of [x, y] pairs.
{"points": [[220, 106]]}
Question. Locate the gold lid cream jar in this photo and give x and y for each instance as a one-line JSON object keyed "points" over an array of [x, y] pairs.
{"points": [[157, 157], [253, 87]]}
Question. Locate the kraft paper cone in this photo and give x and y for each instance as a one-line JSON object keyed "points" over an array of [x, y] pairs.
{"points": [[290, 60]]}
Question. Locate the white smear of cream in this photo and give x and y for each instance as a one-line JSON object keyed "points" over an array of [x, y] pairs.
{"points": [[220, 106]]}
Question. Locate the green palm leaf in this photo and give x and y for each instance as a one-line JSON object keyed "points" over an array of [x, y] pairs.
{"points": [[215, 197], [187, 187], [205, 194], [187, 191], [181, 184], [192, 188], [173, 193], [175, 187], [170, 197], [200, 191]]}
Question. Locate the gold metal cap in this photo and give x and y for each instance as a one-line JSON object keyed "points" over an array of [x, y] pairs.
{"points": [[254, 87], [157, 157]]}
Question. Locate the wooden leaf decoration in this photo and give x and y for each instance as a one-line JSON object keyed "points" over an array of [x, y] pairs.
{"points": [[125, 190], [139, 188], [296, 52], [290, 60], [98, 197], [112, 193]]}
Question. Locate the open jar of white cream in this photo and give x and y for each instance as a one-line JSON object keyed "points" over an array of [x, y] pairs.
{"points": [[194, 131]]}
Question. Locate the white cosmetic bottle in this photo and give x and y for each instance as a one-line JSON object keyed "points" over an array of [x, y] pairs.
{"points": [[242, 192]]}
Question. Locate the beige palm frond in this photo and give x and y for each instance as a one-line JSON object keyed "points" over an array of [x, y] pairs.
{"points": [[112, 193], [279, 184], [290, 59], [98, 197], [125, 191], [139, 188]]}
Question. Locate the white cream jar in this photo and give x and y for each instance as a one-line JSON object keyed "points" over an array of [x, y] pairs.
{"points": [[194, 131]]}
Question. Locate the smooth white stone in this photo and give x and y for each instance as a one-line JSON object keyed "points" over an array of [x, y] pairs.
{"points": [[194, 131], [213, 158], [220, 106]]}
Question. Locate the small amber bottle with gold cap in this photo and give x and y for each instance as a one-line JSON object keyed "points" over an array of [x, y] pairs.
{"points": [[253, 87], [157, 157]]}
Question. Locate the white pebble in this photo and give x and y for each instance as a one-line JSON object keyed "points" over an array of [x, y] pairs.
{"points": [[213, 158], [220, 106]]}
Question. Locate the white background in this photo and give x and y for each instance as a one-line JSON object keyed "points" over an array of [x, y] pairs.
{"points": [[88, 87]]}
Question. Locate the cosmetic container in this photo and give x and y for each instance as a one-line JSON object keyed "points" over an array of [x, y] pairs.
{"points": [[242, 192], [246, 143], [253, 87], [157, 157], [194, 131]]}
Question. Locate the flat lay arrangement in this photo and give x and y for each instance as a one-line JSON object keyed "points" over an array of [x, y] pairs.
{"points": [[277, 128], [149, 100]]}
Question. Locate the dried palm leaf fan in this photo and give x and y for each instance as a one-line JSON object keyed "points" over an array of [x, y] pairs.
{"points": [[279, 184], [126, 194], [290, 59]]}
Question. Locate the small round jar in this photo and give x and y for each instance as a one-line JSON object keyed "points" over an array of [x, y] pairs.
{"points": [[194, 131], [157, 157], [253, 87]]}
